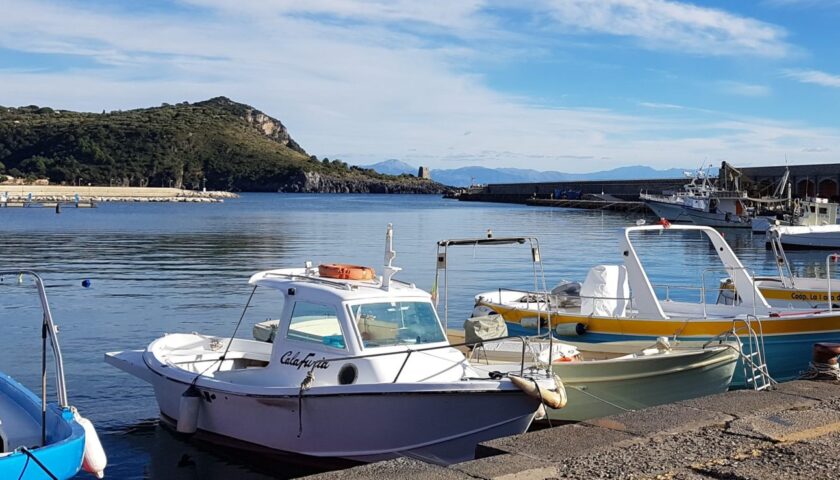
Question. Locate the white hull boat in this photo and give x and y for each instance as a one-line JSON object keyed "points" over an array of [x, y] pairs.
{"points": [[808, 237], [436, 422], [359, 369], [673, 212]]}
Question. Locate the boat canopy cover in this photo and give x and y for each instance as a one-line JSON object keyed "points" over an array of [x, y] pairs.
{"points": [[478, 329], [484, 241], [605, 292]]}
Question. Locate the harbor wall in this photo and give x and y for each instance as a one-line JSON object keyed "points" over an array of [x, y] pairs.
{"points": [[789, 432], [822, 180]]}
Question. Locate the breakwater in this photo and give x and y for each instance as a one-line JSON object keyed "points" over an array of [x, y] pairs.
{"points": [[618, 195], [50, 195]]}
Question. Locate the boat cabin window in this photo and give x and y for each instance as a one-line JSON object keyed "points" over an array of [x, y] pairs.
{"points": [[397, 323], [317, 324]]}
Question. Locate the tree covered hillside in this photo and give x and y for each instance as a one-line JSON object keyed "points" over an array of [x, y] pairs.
{"points": [[229, 145]]}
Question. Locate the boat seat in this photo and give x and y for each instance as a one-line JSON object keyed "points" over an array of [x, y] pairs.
{"points": [[17, 427]]}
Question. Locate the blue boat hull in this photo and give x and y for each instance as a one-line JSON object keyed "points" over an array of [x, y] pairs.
{"points": [[64, 450]]}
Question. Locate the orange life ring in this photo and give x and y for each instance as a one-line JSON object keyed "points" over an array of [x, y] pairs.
{"points": [[346, 272]]}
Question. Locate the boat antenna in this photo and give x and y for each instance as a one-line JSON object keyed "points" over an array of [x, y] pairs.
{"points": [[390, 254]]}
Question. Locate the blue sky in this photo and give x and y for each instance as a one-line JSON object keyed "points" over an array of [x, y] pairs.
{"points": [[570, 85]]}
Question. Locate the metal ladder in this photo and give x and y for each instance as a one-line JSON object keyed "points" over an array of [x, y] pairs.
{"points": [[753, 359], [750, 350]]}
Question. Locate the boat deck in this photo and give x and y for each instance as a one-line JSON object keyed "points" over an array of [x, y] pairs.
{"points": [[17, 427]]}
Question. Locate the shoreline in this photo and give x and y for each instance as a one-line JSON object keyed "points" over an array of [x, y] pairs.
{"points": [[88, 194]]}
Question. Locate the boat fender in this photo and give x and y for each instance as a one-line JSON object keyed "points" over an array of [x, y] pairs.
{"points": [[95, 459], [552, 399], [530, 322], [188, 411], [570, 329]]}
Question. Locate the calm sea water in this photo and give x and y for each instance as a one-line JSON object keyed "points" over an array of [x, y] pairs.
{"points": [[157, 268]]}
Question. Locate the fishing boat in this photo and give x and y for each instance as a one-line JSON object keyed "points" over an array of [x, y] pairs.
{"points": [[602, 378], [359, 369], [670, 205], [41, 439], [803, 213], [619, 302]]}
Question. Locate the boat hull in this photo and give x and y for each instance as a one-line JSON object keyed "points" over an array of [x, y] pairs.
{"points": [[601, 388], [668, 211], [366, 423], [717, 220], [788, 338], [62, 455]]}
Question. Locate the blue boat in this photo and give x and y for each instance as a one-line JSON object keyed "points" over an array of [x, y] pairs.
{"points": [[38, 439]]}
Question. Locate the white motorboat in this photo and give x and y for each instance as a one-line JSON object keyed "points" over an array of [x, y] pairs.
{"points": [[810, 212], [816, 237], [788, 290], [358, 369]]}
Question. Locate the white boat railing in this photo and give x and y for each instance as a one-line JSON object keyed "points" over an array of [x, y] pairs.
{"points": [[782, 264], [831, 258], [48, 330], [750, 272]]}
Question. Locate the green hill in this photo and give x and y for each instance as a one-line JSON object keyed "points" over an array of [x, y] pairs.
{"points": [[228, 145]]}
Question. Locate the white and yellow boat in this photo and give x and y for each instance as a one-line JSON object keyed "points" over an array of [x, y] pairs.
{"points": [[788, 290], [618, 302]]}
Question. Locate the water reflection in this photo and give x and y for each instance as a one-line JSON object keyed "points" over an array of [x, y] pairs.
{"points": [[163, 268]]}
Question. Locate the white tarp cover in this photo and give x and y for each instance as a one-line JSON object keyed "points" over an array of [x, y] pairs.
{"points": [[606, 292], [477, 329]]}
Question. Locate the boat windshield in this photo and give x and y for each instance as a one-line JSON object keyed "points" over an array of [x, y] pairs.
{"points": [[397, 323]]}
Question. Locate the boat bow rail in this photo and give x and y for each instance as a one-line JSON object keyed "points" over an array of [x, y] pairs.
{"points": [[48, 331]]}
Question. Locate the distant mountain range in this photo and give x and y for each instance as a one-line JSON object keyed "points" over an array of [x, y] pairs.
{"points": [[466, 176]]}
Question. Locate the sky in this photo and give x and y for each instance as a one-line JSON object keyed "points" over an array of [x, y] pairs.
{"points": [[567, 85]]}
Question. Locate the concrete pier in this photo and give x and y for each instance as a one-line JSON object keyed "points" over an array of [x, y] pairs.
{"points": [[790, 432]]}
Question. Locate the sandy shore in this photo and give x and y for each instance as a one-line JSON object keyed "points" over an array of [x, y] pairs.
{"points": [[43, 193]]}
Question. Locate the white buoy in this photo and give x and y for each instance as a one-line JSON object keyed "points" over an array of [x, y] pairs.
{"points": [[188, 411], [95, 460], [570, 329]]}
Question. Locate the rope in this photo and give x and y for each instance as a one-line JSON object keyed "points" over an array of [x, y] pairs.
{"points": [[542, 403], [37, 462], [241, 317], [306, 384], [826, 371], [600, 399]]}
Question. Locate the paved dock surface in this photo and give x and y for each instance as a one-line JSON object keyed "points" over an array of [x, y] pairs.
{"points": [[791, 432]]}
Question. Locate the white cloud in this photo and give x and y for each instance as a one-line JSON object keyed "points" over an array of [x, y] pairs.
{"points": [[360, 92], [675, 26], [744, 89], [815, 77], [661, 106]]}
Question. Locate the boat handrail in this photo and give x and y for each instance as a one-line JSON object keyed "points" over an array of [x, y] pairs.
{"points": [[409, 351], [832, 257], [305, 277], [726, 269], [48, 329]]}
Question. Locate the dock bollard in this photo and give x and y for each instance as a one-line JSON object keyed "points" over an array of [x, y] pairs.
{"points": [[824, 364]]}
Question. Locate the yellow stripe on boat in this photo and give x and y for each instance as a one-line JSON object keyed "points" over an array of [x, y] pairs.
{"points": [[783, 325], [798, 295]]}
